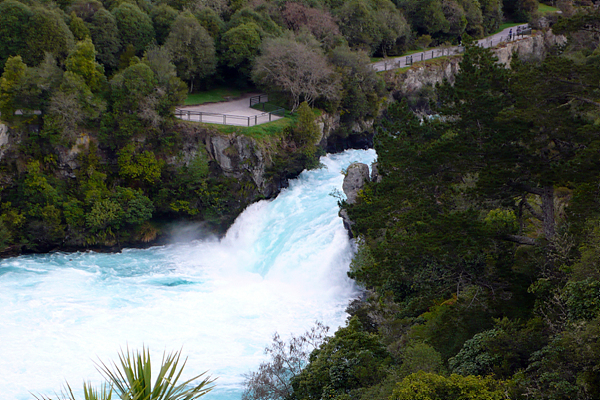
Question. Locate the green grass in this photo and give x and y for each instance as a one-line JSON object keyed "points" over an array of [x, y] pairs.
{"points": [[546, 9], [262, 131], [267, 107], [268, 129], [212, 96], [507, 25], [408, 53]]}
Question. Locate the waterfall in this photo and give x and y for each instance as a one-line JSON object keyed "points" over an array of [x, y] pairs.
{"points": [[280, 267]]}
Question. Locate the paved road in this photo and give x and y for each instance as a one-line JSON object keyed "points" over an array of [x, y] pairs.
{"points": [[405, 61], [234, 112]]}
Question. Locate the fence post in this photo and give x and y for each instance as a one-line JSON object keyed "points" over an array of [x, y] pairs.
{"points": [[188, 115], [224, 119], [248, 121], [255, 119], [422, 56]]}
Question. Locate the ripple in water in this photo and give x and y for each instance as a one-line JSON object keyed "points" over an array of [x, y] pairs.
{"points": [[281, 266]]}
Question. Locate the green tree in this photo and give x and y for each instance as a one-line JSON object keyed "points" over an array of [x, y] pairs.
{"points": [[193, 49], [491, 11], [173, 91], [71, 106], [44, 80], [474, 17], [51, 35], [163, 17], [240, 45], [426, 16], [78, 28], [82, 61], [135, 26], [105, 36], [211, 21], [42, 199], [306, 132], [143, 167], [263, 20], [429, 386], [359, 26], [85, 9], [11, 87], [132, 102], [566, 368], [14, 28], [349, 360], [362, 89], [394, 29]]}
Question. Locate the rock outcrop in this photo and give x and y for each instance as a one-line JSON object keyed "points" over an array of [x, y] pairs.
{"points": [[435, 71], [67, 157], [3, 139], [239, 156], [357, 175]]}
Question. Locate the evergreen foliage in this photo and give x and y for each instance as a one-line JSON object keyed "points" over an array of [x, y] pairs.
{"points": [[478, 246]]}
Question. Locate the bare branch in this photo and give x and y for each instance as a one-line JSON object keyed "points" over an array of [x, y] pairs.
{"points": [[520, 239]]}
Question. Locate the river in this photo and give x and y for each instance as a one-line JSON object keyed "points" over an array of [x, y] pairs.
{"points": [[281, 266]]}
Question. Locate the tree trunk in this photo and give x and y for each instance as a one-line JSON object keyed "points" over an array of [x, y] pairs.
{"points": [[548, 211]]}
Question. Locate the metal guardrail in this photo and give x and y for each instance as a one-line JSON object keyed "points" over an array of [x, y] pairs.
{"points": [[261, 98], [427, 55], [217, 118], [405, 61]]}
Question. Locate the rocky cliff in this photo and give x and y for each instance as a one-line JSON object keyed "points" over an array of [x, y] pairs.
{"points": [[434, 71]]}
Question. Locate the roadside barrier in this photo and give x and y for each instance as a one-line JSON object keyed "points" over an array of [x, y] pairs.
{"points": [[228, 119]]}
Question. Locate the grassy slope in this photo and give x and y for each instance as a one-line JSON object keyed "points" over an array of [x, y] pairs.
{"points": [[213, 96], [546, 9]]}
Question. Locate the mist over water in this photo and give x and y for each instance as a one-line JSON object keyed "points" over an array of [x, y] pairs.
{"points": [[281, 266]]}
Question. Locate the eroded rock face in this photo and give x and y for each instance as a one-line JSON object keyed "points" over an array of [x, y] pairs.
{"points": [[531, 48], [67, 158], [239, 155], [3, 139], [428, 74], [357, 175]]}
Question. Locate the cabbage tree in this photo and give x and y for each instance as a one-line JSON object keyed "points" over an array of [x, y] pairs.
{"points": [[131, 379]]}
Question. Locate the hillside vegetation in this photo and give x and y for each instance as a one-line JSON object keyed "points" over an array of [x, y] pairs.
{"points": [[479, 246]]}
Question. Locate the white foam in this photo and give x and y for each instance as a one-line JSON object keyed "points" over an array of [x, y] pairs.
{"points": [[281, 266]]}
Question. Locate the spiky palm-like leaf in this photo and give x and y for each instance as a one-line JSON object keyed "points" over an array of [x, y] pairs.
{"points": [[132, 379], [89, 393]]}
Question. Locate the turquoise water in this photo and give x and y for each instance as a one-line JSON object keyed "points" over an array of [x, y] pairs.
{"points": [[281, 266]]}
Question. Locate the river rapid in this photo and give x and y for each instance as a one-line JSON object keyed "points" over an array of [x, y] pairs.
{"points": [[281, 266]]}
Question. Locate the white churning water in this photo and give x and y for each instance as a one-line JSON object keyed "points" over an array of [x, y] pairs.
{"points": [[281, 266]]}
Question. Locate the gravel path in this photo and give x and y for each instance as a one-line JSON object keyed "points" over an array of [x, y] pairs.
{"points": [[238, 111], [233, 112], [406, 61]]}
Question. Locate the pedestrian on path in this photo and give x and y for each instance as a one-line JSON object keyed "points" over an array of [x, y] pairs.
{"points": [[510, 34]]}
